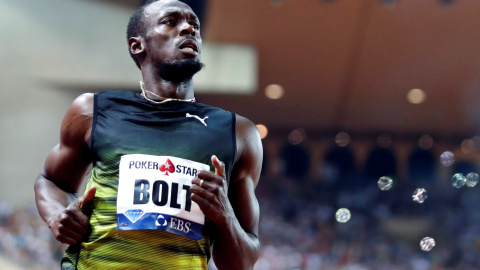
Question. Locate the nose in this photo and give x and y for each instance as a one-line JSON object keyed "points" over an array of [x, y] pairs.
{"points": [[186, 29]]}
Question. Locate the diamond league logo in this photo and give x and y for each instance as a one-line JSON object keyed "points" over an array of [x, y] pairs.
{"points": [[134, 214]]}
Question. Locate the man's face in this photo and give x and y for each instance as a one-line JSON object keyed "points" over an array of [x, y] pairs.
{"points": [[173, 32]]}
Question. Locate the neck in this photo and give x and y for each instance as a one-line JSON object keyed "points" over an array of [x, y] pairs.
{"points": [[165, 88]]}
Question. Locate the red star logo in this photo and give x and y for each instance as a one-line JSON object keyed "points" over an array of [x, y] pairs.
{"points": [[167, 167]]}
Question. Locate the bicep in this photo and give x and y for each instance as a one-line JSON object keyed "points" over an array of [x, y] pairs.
{"points": [[66, 166], [68, 162]]}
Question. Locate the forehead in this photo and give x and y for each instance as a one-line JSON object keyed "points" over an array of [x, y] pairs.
{"points": [[162, 8]]}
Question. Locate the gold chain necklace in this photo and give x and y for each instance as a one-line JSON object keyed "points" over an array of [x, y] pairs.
{"points": [[142, 86]]}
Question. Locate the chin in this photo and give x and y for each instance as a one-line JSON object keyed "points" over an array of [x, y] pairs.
{"points": [[179, 70]]}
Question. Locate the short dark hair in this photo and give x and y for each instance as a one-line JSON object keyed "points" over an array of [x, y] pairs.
{"points": [[136, 26]]}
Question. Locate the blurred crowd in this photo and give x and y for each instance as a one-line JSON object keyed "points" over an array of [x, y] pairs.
{"points": [[26, 240], [298, 228]]}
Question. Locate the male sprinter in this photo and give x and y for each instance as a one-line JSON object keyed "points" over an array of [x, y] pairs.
{"points": [[152, 201]]}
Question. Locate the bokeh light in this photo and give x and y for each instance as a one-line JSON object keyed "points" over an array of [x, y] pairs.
{"points": [[447, 158], [472, 179], [385, 183], [419, 195], [342, 139], [416, 96], [297, 136], [425, 142], [427, 243], [468, 146], [343, 215], [263, 131], [458, 180], [274, 91]]}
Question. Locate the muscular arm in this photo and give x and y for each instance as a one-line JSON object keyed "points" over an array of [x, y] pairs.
{"points": [[64, 170], [236, 244]]}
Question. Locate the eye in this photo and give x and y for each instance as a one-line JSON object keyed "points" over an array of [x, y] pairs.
{"points": [[170, 22], [195, 24]]}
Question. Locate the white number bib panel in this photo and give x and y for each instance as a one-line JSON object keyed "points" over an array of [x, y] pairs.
{"points": [[154, 194]]}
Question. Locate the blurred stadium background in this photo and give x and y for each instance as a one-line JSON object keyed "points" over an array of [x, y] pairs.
{"points": [[344, 91]]}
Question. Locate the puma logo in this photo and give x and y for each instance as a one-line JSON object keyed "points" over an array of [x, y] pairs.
{"points": [[198, 118]]}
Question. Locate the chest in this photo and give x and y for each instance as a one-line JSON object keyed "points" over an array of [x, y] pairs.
{"points": [[195, 135]]}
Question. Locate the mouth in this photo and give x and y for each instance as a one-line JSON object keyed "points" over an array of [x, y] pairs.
{"points": [[189, 46]]}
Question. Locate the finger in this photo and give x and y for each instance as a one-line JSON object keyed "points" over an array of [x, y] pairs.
{"points": [[67, 231], [202, 202], [219, 166], [202, 192], [77, 214], [78, 222], [66, 240], [202, 182], [197, 181], [82, 219], [207, 176], [85, 199]]}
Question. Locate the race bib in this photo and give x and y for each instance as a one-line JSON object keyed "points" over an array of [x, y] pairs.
{"points": [[154, 194]]}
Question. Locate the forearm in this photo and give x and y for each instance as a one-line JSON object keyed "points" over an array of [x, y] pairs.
{"points": [[50, 199], [233, 247]]}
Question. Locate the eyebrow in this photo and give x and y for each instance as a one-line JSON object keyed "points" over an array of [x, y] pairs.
{"points": [[177, 13]]}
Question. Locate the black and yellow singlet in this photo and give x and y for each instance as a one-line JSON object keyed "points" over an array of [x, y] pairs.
{"points": [[126, 123]]}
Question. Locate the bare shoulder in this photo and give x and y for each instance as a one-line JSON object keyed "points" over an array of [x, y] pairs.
{"points": [[77, 123], [245, 129], [84, 104]]}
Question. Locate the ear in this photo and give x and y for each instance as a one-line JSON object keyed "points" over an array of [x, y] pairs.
{"points": [[136, 45]]}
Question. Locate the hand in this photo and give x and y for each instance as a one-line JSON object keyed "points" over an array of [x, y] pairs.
{"points": [[70, 226], [211, 194]]}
